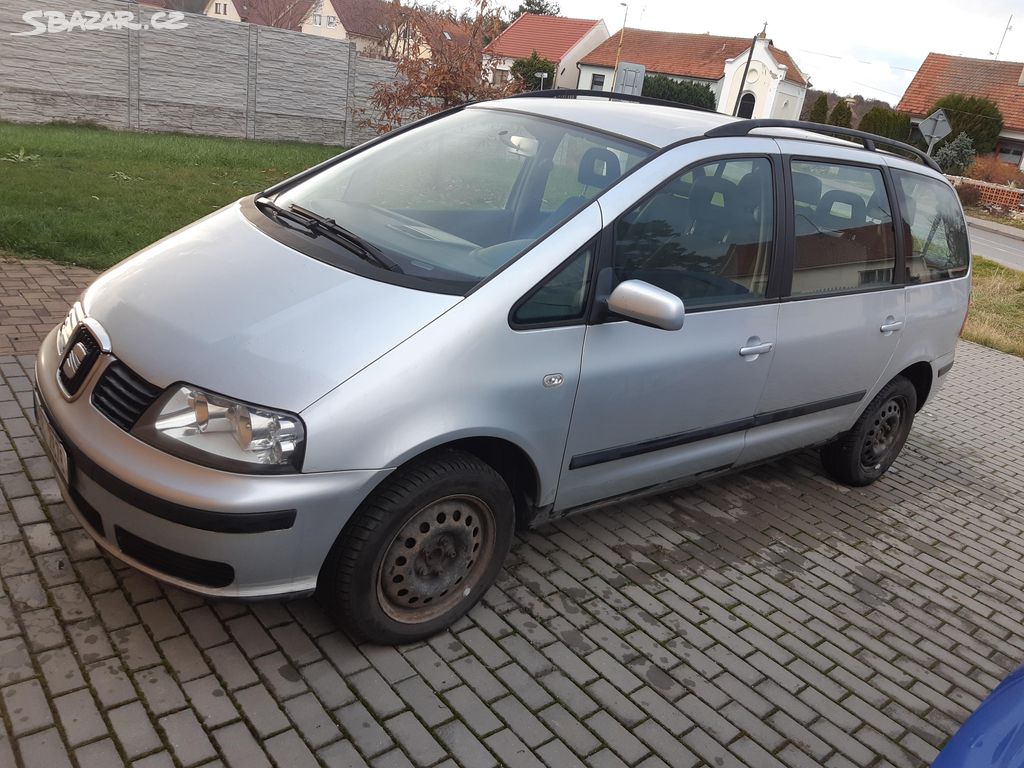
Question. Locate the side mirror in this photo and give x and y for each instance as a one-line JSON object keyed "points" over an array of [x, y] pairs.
{"points": [[647, 304]]}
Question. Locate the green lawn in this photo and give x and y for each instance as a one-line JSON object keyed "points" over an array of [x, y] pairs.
{"points": [[997, 307], [90, 196]]}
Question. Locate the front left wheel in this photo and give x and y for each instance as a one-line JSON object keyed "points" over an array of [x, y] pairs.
{"points": [[421, 551]]}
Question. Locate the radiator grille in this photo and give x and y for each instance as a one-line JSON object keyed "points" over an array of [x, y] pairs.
{"points": [[122, 395]]}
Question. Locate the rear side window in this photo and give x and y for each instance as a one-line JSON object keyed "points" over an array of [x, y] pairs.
{"points": [[934, 232], [705, 236], [843, 228]]}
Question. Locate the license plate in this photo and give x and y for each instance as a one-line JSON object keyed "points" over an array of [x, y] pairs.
{"points": [[53, 445]]}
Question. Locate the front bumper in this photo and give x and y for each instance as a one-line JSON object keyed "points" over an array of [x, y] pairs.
{"points": [[204, 530]]}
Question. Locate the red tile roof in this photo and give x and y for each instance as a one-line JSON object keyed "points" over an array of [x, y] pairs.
{"points": [[550, 36], [364, 18], [941, 75], [682, 54]]}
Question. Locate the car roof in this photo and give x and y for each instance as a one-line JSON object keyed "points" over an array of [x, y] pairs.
{"points": [[652, 124], [659, 126]]}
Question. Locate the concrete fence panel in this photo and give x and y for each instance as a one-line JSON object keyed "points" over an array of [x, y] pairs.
{"points": [[210, 77], [62, 76], [194, 79]]}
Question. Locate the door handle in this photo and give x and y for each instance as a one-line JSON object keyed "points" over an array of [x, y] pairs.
{"points": [[891, 324], [756, 349]]}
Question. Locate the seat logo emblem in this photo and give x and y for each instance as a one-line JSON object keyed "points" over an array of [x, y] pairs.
{"points": [[74, 360]]}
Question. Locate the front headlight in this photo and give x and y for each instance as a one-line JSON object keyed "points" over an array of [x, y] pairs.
{"points": [[223, 433]]}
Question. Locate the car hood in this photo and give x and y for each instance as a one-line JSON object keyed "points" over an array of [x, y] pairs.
{"points": [[222, 306]]}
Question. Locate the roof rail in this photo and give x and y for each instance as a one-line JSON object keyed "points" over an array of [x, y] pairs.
{"points": [[870, 140], [568, 93]]}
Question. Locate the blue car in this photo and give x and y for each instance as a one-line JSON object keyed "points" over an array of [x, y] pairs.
{"points": [[992, 737]]}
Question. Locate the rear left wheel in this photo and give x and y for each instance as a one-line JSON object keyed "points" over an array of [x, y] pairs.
{"points": [[421, 550], [862, 455]]}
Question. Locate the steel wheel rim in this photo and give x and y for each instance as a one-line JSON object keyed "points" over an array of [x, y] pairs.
{"points": [[437, 559], [883, 434]]}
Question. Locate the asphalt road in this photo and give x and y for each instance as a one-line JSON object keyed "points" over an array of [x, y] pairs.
{"points": [[996, 247]]}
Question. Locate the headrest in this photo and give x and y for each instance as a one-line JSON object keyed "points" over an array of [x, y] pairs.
{"points": [[806, 189], [858, 210], [702, 196], [599, 168]]}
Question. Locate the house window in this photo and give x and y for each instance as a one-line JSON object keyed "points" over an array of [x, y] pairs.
{"points": [[1010, 153], [317, 19], [332, 21], [746, 106], [501, 76], [220, 9], [597, 82]]}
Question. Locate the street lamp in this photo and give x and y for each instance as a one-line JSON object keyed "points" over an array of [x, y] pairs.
{"points": [[618, 52], [543, 76]]}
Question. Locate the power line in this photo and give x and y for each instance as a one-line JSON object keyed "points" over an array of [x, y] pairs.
{"points": [[850, 58], [880, 90]]}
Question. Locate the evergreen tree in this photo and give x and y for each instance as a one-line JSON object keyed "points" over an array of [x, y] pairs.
{"points": [[976, 116], [883, 121], [841, 116], [539, 7], [667, 89], [526, 70], [819, 112], [954, 156]]}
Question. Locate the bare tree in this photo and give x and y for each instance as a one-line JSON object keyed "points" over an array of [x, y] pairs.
{"points": [[285, 14], [452, 72], [399, 29]]}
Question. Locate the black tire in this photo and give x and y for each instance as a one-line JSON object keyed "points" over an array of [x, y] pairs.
{"points": [[454, 517], [862, 455]]}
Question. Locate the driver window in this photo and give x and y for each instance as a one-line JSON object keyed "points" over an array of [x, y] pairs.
{"points": [[705, 236]]}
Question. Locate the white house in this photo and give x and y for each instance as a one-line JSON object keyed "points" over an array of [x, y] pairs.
{"points": [[774, 85], [555, 38]]}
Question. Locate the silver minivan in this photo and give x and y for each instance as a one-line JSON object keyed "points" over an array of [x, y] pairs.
{"points": [[362, 380]]}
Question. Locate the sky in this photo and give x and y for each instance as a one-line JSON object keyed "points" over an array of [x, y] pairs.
{"points": [[869, 47]]}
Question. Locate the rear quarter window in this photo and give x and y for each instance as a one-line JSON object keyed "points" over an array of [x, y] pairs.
{"points": [[934, 231]]}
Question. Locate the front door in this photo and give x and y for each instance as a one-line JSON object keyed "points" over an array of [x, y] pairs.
{"points": [[654, 406]]}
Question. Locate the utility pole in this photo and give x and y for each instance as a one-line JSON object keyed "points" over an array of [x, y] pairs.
{"points": [[618, 52], [746, 69]]}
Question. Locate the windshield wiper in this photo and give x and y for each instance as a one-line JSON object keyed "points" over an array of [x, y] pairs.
{"points": [[321, 226]]}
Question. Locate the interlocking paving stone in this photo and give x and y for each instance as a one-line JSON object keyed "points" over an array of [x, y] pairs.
{"points": [[99, 754], [79, 717], [133, 729], [44, 750], [288, 750], [187, 738], [765, 618], [26, 707], [239, 748]]}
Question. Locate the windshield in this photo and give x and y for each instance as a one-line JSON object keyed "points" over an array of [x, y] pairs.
{"points": [[458, 198]]}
